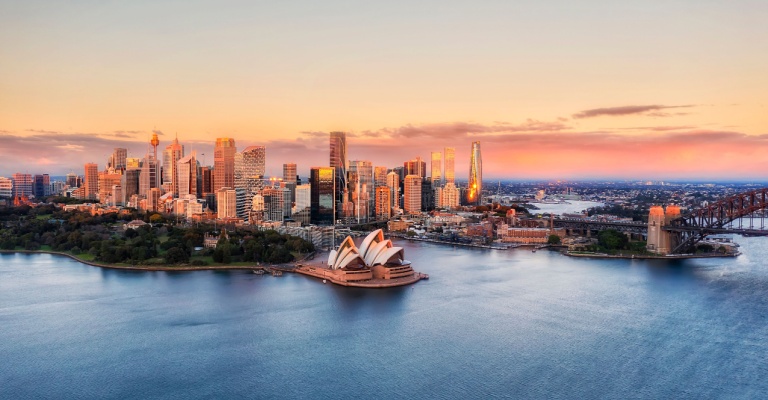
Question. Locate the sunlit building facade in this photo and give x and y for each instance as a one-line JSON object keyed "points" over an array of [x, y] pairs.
{"points": [[224, 164], [91, 183], [475, 184], [322, 195], [436, 164], [383, 203], [338, 161], [449, 158], [412, 194], [171, 156]]}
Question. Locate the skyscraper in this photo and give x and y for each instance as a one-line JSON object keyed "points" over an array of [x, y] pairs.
{"points": [[301, 211], [475, 186], [171, 156], [289, 172], [412, 194], [42, 185], [254, 161], [338, 161], [91, 181], [118, 159], [22, 184], [393, 182], [437, 168], [187, 175], [383, 203], [450, 156], [72, 180], [249, 172], [226, 201], [6, 187], [130, 184], [224, 164], [417, 166], [322, 195], [148, 177], [365, 189], [380, 176]]}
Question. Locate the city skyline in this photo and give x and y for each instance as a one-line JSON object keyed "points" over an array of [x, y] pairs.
{"points": [[542, 85]]}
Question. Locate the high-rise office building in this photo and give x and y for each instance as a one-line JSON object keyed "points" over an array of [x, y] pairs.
{"points": [[130, 184], [72, 180], [6, 187], [277, 204], [152, 202], [322, 195], [393, 183], [148, 179], [383, 203], [186, 170], [226, 202], [301, 211], [427, 195], [108, 179], [250, 167], [450, 157], [118, 160], [475, 185], [254, 161], [171, 156], [437, 168], [379, 176], [42, 185], [365, 189], [91, 181], [206, 180], [23, 184], [224, 164], [338, 161], [417, 166], [412, 194], [289, 172]]}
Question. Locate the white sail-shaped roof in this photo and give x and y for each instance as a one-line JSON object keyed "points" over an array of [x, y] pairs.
{"points": [[346, 255], [370, 240], [374, 250]]}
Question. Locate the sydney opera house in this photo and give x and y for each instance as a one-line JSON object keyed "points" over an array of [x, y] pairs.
{"points": [[376, 263]]}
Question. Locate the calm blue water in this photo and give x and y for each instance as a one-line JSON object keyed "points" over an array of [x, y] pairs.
{"points": [[488, 324]]}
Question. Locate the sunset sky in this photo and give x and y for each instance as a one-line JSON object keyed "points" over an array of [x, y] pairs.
{"points": [[553, 89]]}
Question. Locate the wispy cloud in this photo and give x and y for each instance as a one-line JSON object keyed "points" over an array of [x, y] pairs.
{"points": [[654, 110], [528, 149], [72, 147]]}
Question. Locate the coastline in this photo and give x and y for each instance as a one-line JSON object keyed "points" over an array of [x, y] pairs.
{"points": [[150, 268], [649, 257]]}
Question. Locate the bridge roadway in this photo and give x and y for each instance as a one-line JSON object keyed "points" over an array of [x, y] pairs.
{"points": [[638, 227]]}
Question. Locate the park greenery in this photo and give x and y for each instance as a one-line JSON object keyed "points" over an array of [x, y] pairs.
{"points": [[102, 238]]}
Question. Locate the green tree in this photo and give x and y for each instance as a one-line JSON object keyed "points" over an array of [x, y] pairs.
{"points": [[553, 239], [176, 255], [611, 239]]}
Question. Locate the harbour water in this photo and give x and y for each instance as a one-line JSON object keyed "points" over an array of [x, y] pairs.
{"points": [[487, 324]]}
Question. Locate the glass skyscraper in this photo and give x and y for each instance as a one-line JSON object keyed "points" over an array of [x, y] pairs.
{"points": [[475, 186]]}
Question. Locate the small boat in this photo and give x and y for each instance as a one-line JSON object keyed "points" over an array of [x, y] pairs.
{"points": [[323, 280]]}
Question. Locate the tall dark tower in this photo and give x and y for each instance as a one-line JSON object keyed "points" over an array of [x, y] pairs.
{"points": [[338, 161], [475, 187]]}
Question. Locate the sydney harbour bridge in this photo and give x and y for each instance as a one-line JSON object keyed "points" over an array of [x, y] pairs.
{"points": [[743, 213]]}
